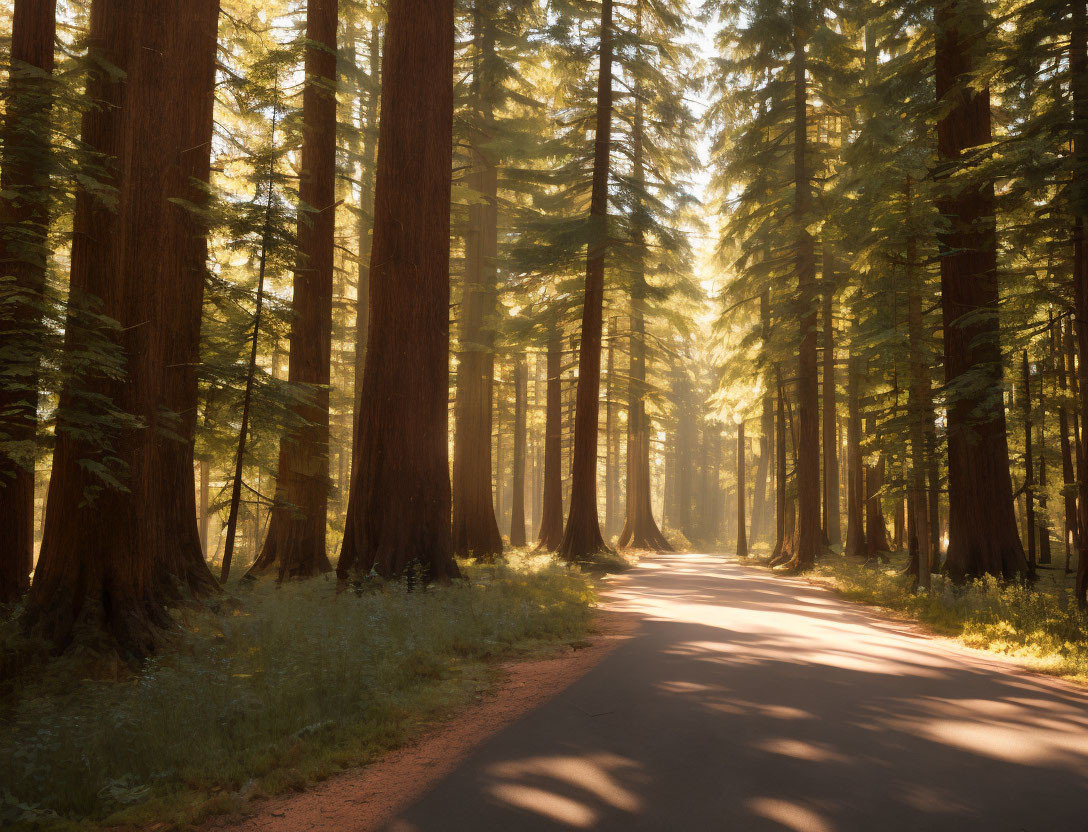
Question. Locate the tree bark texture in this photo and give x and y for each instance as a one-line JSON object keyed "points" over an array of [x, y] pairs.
{"points": [[295, 544], [400, 505], [582, 537], [24, 240], [108, 565], [832, 518], [855, 470], [742, 537], [551, 522], [475, 526], [809, 529], [517, 498], [982, 530]]}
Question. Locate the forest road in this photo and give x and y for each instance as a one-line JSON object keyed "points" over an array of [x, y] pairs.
{"points": [[751, 702]]}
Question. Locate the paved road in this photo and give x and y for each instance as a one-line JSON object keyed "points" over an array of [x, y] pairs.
{"points": [[754, 703]]}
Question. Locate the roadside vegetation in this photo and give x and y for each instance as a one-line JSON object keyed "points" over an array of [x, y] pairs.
{"points": [[1039, 624], [285, 685]]}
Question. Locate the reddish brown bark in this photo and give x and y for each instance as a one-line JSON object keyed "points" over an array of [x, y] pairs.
{"points": [[399, 508], [640, 529], [761, 507], [918, 543], [809, 529], [1069, 498], [475, 527], [855, 476], [1043, 517], [982, 530], [1029, 467], [742, 537], [582, 537], [1078, 66], [785, 513], [832, 519], [517, 499], [108, 565], [611, 466], [24, 227], [551, 512], [876, 526], [295, 545], [365, 225]]}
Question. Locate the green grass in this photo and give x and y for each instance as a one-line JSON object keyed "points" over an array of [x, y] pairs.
{"points": [[1040, 625], [289, 686]]}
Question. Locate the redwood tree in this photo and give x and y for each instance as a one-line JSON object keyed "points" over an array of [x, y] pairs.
{"points": [[982, 534], [110, 556], [24, 222], [1078, 65], [475, 528], [855, 470], [809, 530], [640, 529], [742, 537], [551, 513], [399, 508], [517, 498], [582, 537], [295, 544]]}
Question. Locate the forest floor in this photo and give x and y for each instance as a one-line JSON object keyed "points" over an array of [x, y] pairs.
{"points": [[276, 689], [757, 702]]}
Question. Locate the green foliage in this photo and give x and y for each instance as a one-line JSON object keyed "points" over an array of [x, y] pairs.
{"points": [[1040, 625], [287, 684]]}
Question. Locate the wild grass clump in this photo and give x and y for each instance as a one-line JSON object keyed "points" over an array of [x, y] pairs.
{"points": [[1039, 624], [292, 684]]}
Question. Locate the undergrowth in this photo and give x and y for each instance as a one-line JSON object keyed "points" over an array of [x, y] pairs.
{"points": [[293, 684], [1039, 625]]}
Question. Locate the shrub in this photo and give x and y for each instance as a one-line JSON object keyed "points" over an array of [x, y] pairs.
{"points": [[291, 683], [1038, 624]]}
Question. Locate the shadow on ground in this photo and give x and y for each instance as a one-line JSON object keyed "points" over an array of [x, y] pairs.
{"points": [[750, 702]]}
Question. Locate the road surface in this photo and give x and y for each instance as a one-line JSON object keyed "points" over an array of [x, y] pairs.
{"points": [[756, 703]]}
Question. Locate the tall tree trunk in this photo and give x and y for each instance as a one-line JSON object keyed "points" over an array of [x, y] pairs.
{"points": [[742, 539], [1029, 468], [551, 522], [784, 525], [760, 503], [1078, 66], [295, 544], [365, 225], [982, 528], [684, 455], [582, 537], [400, 505], [540, 399], [809, 529], [1043, 517], [832, 519], [24, 243], [876, 526], [855, 476], [205, 492], [475, 526], [640, 529], [108, 564], [611, 464], [1069, 477], [517, 499], [918, 542]]}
